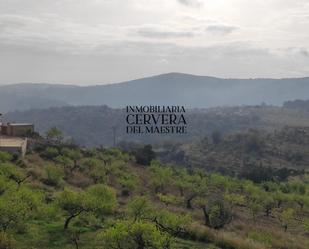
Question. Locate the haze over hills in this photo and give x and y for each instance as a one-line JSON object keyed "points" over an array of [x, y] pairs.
{"points": [[166, 89], [93, 125]]}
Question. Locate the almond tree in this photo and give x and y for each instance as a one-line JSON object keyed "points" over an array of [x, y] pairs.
{"points": [[98, 199]]}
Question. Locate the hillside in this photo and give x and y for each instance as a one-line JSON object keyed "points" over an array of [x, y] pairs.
{"points": [[167, 89], [61, 196], [257, 153], [93, 125], [297, 104]]}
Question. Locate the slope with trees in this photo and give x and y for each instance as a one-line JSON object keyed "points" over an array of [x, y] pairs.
{"points": [[64, 196]]}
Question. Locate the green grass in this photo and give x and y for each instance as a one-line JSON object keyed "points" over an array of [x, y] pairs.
{"points": [[187, 244]]}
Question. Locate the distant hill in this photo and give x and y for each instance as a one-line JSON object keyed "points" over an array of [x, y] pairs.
{"points": [[166, 89], [93, 125], [13, 101], [297, 104]]}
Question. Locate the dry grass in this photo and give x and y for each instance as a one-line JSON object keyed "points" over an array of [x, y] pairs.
{"points": [[223, 239], [241, 233]]}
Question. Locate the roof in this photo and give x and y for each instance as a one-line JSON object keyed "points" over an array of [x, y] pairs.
{"points": [[11, 142], [18, 124]]}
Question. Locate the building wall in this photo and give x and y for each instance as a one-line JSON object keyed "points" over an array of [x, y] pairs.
{"points": [[4, 130], [16, 130], [20, 148], [21, 130]]}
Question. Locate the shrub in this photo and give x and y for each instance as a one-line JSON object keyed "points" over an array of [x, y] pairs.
{"points": [[5, 157], [128, 182], [144, 155], [140, 234], [50, 153], [54, 175], [169, 199], [54, 135], [306, 225], [219, 215]]}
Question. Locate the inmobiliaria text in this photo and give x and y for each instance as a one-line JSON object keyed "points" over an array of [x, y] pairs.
{"points": [[156, 120]]}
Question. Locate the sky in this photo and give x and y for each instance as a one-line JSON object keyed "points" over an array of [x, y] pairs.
{"points": [[88, 42]]}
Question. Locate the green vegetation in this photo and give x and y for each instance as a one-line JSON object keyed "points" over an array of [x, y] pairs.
{"points": [[63, 196], [254, 154], [92, 125]]}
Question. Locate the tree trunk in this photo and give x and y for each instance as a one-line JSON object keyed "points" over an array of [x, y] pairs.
{"points": [[189, 205], [206, 216], [267, 212], [76, 244], [67, 221], [75, 166], [181, 192], [279, 204], [140, 242]]}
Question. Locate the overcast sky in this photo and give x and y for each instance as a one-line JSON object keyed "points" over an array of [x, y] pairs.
{"points": [[104, 41]]}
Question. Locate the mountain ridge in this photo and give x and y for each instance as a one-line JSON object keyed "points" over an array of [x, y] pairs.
{"points": [[166, 89], [147, 77]]}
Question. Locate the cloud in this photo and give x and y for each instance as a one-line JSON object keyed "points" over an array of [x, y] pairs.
{"points": [[153, 33], [294, 52], [191, 3], [124, 60], [163, 61], [304, 52], [197, 36], [220, 29], [9, 21], [52, 33]]}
